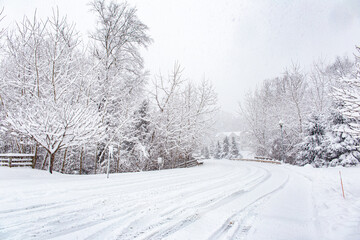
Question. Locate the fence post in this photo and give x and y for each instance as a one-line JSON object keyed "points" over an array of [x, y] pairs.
{"points": [[33, 162], [10, 159], [35, 156]]}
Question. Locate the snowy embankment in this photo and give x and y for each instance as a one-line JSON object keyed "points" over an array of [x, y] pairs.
{"points": [[219, 200]]}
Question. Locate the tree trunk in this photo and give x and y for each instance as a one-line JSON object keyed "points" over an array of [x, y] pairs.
{"points": [[18, 146], [63, 163], [51, 163], [35, 155], [299, 116], [44, 162], [100, 155], [81, 159], [117, 161], [95, 158]]}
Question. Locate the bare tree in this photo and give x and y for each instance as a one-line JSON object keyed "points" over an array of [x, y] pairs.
{"points": [[183, 116], [320, 86], [118, 71], [44, 76], [296, 86]]}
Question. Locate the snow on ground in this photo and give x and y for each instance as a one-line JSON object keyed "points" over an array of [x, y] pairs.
{"points": [[220, 200]]}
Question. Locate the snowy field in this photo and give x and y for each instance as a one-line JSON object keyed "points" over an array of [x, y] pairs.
{"points": [[220, 200]]}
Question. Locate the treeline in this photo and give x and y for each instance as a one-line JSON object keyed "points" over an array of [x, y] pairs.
{"points": [[68, 102], [318, 111], [224, 149]]}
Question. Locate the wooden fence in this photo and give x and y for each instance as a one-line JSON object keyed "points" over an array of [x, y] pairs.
{"points": [[17, 160], [190, 163], [259, 159]]}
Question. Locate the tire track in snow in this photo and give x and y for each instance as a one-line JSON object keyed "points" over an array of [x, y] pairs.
{"points": [[166, 200], [187, 193], [102, 208], [172, 223], [211, 219], [58, 207], [238, 225], [40, 207], [53, 210]]}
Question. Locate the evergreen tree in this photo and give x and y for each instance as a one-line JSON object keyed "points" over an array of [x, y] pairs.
{"points": [[342, 148], [206, 153], [212, 149], [312, 150], [226, 148], [217, 154], [327, 142], [234, 151], [135, 146]]}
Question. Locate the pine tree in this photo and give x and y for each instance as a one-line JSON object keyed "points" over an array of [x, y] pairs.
{"points": [[327, 142], [212, 150], [312, 150], [226, 147], [206, 153], [217, 154], [135, 142], [342, 148], [234, 151]]}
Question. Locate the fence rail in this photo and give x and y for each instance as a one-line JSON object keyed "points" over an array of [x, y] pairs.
{"points": [[257, 159], [190, 163], [263, 158], [17, 160]]}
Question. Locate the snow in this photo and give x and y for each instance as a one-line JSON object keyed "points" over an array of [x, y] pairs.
{"points": [[16, 155], [221, 199], [228, 134]]}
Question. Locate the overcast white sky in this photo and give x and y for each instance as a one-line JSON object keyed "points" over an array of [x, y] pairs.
{"points": [[234, 43]]}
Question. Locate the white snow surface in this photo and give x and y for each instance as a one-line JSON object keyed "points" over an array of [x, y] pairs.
{"points": [[221, 199]]}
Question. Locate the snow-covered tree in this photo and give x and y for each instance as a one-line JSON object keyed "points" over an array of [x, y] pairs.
{"points": [[183, 116], [342, 148], [255, 111], [284, 98], [218, 150], [136, 148], [327, 143], [46, 75], [296, 89], [312, 149], [69, 103], [226, 148], [212, 149], [234, 150], [119, 77], [206, 153], [348, 95]]}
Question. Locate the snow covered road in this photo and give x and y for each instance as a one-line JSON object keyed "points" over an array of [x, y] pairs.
{"points": [[220, 200]]}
